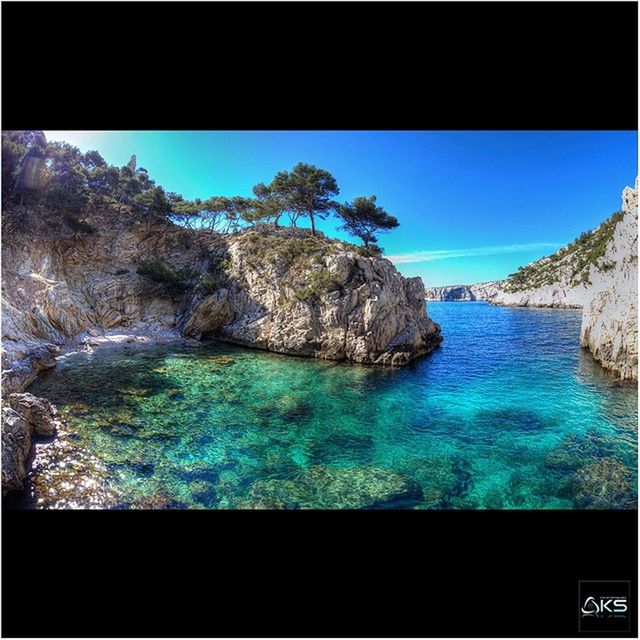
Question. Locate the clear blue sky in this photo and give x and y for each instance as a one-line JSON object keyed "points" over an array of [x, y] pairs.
{"points": [[473, 206]]}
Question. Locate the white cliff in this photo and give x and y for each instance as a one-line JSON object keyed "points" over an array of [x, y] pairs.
{"points": [[610, 318], [462, 292]]}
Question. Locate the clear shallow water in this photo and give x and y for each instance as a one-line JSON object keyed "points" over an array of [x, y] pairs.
{"points": [[508, 413]]}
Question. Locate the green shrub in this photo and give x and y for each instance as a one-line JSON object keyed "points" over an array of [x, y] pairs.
{"points": [[319, 282], [161, 271], [206, 285], [372, 251]]}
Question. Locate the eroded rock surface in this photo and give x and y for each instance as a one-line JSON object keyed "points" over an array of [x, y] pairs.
{"points": [[23, 417], [610, 319], [271, 289]]}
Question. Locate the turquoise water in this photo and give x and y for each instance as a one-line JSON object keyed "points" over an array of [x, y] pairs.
{"points": [[508, 413]]}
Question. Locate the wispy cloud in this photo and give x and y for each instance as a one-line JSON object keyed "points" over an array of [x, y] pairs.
{"points": [[446, 254]]}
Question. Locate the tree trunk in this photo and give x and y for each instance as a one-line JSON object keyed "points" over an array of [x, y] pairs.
{"points": [[313, 226]]}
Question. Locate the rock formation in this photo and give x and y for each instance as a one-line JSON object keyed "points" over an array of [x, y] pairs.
{"points": [[610, 319], [313, 297], [277, 289], [23, 416], [281, 290]]}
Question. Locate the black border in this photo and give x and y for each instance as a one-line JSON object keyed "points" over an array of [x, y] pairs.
{"points": [[320, 65]]}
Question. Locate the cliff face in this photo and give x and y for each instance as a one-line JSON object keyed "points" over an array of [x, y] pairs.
{"points": [[462, 293], [568, 278], [452, 293], [280, 290], [610, 319]]}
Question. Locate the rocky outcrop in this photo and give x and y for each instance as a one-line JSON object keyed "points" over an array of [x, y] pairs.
{"points": [[463, 293], [486, 290], [610, 318], [281, 290], [313, 297], [452, 293], [23, 417]]}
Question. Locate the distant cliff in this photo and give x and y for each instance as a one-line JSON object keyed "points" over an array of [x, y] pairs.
{"points": [[462, 293]]}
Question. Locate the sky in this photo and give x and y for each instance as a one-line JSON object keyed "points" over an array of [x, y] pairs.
{"points": [[473, 205]]}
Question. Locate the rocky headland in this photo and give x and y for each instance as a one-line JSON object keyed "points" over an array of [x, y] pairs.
{"points": [[278, 289]]}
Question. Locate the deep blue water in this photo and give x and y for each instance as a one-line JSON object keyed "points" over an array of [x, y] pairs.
{"points": [[510, 412]]}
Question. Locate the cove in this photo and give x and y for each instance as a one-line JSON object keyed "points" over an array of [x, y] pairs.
{"points": [[508, 413]]}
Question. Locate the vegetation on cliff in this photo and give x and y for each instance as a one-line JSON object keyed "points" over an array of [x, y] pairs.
{"points": [[572, 262]]}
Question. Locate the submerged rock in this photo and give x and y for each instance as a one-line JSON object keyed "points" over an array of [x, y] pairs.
{"points": [[321, 487], [510, 418], [605, 484], [358, 448], [575, 450]]}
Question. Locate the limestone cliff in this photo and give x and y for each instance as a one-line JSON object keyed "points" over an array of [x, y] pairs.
{"points": [[610, 319], [461, 293], [281, 290]]}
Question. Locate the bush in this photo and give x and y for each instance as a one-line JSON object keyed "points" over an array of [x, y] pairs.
{"points": [[319, 282], [206, 285], [160, 271]]}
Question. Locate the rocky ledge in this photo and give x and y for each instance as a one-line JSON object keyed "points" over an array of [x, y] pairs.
{"points": [[23, 417]]}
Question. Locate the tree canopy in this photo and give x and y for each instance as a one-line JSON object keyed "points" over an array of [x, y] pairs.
{"points": [[306, 190], [364, 219]]}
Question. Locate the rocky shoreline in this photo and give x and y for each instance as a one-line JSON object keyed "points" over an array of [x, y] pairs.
{"points": [[280, 290]]}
